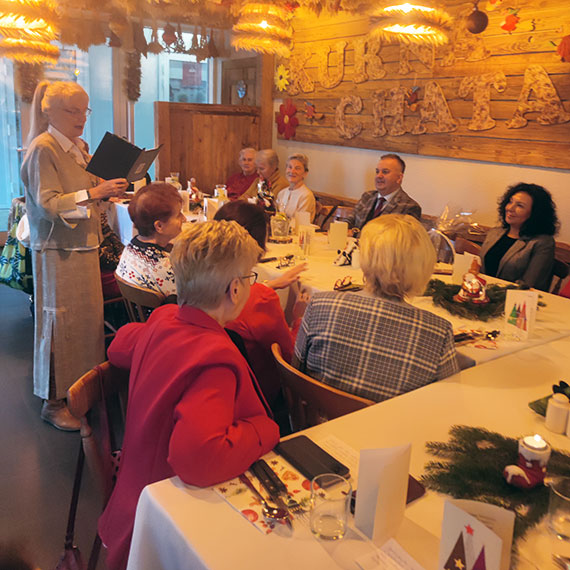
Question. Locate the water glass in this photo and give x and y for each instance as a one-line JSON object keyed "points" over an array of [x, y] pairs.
{"points": [[559, 508], [330, 502]]}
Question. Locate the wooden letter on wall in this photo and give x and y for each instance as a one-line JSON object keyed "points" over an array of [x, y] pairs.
{"points": [[547, 102], [480, 86], [326, 79], [299, 81], [434, 109], [367, 63], [345, 131], [394, 108], [425, 54]]}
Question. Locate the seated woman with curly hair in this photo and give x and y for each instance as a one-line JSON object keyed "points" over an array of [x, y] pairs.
{"points": [[522, 248]]}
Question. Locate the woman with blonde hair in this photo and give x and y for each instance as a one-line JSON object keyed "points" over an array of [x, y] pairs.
{"points": [[374, 343], [297, 197], [195, 409], [62, 202]]}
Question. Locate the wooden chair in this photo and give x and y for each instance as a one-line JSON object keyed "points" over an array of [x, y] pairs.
{"points": [[324, 215], [463, 245], [559, 273], [99, 400], [311, 402], [138, 300], [342, 213]]}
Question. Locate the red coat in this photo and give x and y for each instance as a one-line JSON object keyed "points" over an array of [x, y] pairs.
{"points": [[260, 324], [193, 412]]}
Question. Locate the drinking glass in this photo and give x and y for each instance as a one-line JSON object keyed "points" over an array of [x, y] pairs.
{"points": [[559, 508], [279, 227], [330, 502]]}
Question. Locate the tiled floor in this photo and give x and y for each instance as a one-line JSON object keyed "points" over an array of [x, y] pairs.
{"points": [[38, 461]]}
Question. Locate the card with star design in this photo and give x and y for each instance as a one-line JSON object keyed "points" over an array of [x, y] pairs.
{"points": [[475, 536]]}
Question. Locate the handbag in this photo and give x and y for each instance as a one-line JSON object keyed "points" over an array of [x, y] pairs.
{"points": [[16, 259]]}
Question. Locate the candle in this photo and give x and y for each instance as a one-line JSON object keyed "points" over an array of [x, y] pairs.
{"points": [[535, 442], [530, 469]]}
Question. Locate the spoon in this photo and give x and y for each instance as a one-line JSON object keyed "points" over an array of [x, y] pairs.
{"points": [[269, 512]]}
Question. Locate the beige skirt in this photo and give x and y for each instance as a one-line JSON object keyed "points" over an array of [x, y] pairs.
{"points": [[68, 332]]}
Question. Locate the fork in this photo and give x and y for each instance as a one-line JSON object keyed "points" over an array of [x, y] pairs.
{"points": [[275, 487], [561, 561]]}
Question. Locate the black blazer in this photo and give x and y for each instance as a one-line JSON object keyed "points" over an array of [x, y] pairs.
{"points": [[530, 260]]}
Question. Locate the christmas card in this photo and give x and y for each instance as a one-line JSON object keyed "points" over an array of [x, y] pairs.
{"points": [[520, 313], [475, 536], [461, 265], [382, 490]]}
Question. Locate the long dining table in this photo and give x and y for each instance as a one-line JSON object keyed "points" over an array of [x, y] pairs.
{"points": [[552, 318], [180, 527]]}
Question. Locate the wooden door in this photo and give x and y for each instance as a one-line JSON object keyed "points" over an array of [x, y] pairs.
{"points": [[203, 141], [244, 71]]}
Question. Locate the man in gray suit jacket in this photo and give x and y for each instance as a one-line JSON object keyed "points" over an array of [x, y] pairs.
{"points": [[388, 197]]}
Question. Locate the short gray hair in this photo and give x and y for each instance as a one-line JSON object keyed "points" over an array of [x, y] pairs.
{"points": [[302, 158], [243, 150], [270, 156], [206, 257]]}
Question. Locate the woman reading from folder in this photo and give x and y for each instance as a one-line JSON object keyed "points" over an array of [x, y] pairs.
{"points": [[62, 202]]}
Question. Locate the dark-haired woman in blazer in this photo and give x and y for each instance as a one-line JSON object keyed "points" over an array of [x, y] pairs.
{"points": [[523, 248]]}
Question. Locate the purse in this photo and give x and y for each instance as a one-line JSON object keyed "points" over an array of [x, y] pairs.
{"points": [[16, 260]]}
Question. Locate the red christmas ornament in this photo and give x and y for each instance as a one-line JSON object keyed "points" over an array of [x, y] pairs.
{"points": [[286, 121], [563, 49]]}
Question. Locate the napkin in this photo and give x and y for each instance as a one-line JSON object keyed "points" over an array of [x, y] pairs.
{"points": [[244, 501], [382, 490]]}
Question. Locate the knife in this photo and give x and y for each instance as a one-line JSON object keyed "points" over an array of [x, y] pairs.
{"points": [[269, 480]]}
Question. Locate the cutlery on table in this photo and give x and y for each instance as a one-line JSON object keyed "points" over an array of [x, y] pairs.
{"points": [[275, 487], [278, 514]]}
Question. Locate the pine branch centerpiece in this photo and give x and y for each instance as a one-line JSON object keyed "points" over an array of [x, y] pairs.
{"points": [[470, 466]]}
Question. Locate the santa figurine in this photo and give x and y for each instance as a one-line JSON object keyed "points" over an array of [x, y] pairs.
{"points": [[531, 465], [473, 287]]}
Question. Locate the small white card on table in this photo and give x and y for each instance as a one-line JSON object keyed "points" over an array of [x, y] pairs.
{"points": [[475, 536], [382, 489], [520, 313]]}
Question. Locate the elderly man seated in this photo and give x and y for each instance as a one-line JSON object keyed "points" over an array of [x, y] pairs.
{"points": [[388, 197], [267, 165], [195, 408], [239, 182], [374, 343]]}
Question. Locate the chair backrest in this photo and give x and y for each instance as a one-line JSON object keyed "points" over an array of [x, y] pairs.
{"points": [[324, 215], [311, 402], [443, 246], [559, 273], [138, 300], [99, 400], [463, 245], [342, 213]]}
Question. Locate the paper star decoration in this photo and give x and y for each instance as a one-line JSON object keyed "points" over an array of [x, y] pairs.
{"points": [[469, 529]]}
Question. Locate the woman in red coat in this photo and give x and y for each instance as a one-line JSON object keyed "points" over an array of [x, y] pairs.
{"points": [[194, 409], [262, 321]]}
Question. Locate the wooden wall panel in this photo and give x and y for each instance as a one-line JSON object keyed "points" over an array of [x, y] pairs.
{"points": [[203, 141], [532, 43]]}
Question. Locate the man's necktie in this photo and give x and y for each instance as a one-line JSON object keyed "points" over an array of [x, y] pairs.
{"points": [[379, 206]]}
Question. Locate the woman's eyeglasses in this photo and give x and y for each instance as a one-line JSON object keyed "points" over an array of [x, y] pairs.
{"points": [[252, 279], [78, 112]]}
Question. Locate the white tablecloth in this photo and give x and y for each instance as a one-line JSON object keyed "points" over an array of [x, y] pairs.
{"points": [[552, 321], [180, 527]]}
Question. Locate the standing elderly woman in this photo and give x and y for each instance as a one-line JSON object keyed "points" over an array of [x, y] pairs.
{"points": [[522, 249], [373, 343], [195, 409], [62, 202], [156, 213], [296, 198]]}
